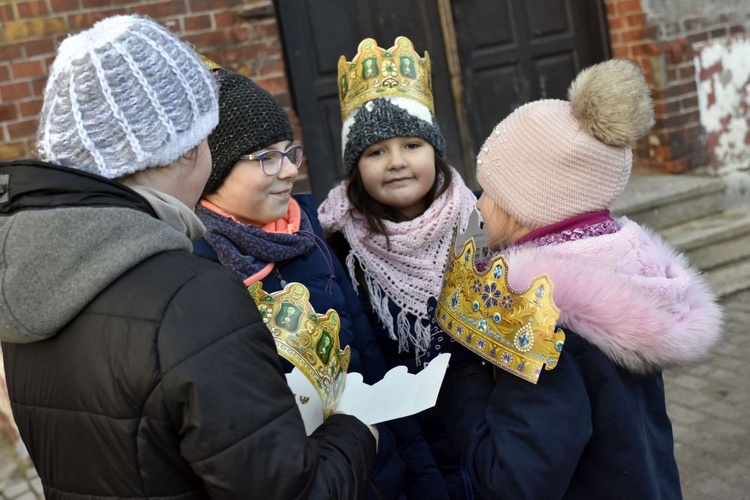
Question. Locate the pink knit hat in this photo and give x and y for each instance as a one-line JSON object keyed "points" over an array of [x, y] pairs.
{"points": [[550, 160]]}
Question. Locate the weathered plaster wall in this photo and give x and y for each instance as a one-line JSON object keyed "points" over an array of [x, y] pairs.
{"points": [[722, 69]]}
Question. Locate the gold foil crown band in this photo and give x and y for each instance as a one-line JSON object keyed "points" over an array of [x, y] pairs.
{"points": [[515, 331], [377, 72]]}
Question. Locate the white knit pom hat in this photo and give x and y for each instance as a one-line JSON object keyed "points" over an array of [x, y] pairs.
{"points": [[124, 96], [550, 160]]}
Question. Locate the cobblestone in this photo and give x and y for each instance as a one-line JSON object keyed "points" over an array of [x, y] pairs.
{"points": [[712, 451], [709, 405]]}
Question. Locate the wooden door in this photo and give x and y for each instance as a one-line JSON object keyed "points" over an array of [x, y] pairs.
{"points": [[504, 53], [516, 51], [317, 32]]}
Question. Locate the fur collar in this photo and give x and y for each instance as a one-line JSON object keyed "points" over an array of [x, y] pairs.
{"points": [[629, 294]]}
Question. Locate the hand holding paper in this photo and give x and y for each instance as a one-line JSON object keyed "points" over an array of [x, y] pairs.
{"points": [[398, 394]]}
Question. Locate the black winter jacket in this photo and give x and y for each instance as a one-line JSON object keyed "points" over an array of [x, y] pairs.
{"points": [[136, 369]]}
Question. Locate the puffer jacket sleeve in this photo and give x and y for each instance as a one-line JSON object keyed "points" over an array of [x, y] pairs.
{"points": [[517, 439], [226, 394]]}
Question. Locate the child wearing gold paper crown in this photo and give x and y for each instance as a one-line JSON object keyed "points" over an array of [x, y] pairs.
{"points": [[398, 208], [259, 231], [596, 425]]}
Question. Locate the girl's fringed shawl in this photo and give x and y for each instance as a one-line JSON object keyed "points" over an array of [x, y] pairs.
{"points": [[411, 271]]}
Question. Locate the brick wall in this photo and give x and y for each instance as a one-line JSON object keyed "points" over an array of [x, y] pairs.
{"points": [[661, 36], [241, 35]]}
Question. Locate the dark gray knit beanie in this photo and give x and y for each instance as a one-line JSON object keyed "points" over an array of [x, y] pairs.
{"points": [[249, 119], [385, 118]]}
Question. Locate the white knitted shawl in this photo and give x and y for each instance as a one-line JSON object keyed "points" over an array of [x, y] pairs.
{"points": [[410, 271]]}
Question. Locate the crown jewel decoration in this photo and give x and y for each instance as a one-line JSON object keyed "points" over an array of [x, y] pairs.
{"points": [[513, 330], [308, 340], [376, 72]]}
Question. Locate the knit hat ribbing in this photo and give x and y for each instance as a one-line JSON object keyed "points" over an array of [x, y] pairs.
{"points": [[124, 96], [250, 119], [384, 118], [550, 159]]}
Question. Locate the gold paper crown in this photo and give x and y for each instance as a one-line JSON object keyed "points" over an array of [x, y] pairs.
{"points": [[376, 72], [210, 64], [308, 340], [514, 331]]}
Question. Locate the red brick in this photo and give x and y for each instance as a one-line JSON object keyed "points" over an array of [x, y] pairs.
{"points": [[39, 47], [10, 51], [92, 4], [8, 112], [38, 86], [4, 72], [203, 5], [225, 19], [628, 6], [637, 20], [13, 91], [271, 65], [198, 22], [7, 13], [269, 29], [719, 33], [21, 130], [34, 8], [160, 9], [26, 69], [676, 166], [273, 84], [31, 108], [203, 41], [631, 35], [64, 5], [84, 20]]}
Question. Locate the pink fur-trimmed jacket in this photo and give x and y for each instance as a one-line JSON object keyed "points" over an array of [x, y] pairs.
{"points": [[627, 293], [596, 426]]}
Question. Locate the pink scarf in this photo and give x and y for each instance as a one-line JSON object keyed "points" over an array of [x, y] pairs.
{"points": [[412, 270]]}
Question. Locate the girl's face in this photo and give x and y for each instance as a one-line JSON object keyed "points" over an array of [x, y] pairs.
{"points": [[251, 195], [500, 228], [399, 172]]}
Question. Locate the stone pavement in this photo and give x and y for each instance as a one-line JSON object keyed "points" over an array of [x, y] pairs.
{"points": [[710, 410], [709, 406]]}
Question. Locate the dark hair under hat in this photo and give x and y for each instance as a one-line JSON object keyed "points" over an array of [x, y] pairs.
{"points": [[249, 119]]}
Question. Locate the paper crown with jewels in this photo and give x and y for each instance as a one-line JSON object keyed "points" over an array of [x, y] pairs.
{"points": [[512, 330], [377, 72], [308, 340]]}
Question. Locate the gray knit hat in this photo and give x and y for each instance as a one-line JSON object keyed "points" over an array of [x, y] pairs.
{"points": [[250, 119], [124, 96], [384, 118]]}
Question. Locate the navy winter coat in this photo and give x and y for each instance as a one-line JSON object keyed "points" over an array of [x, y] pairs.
{"points": [[596, 426], [410, 471]]}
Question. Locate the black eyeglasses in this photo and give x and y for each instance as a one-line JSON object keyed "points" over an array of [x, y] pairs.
{"points": [[271, 161]]}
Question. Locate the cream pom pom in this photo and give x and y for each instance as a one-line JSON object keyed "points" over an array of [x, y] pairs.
{"points": [[612, 102]]}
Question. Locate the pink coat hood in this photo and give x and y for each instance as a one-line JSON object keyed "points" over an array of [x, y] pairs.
{"points": [[629, 294]]}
